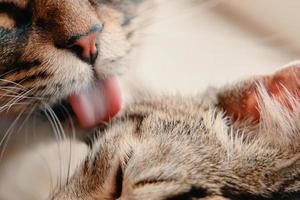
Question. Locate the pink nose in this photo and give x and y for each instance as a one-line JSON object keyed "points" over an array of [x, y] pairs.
{"points": [[86, 47]]}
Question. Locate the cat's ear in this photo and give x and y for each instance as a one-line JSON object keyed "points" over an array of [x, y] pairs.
{"points": [[246, 99]]}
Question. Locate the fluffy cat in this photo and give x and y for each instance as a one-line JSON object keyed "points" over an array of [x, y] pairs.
{"points": [[54, 50], [240, 142]]}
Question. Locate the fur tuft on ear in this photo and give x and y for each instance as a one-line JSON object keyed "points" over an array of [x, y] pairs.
{"points": [[243, 101], [271, 104]]}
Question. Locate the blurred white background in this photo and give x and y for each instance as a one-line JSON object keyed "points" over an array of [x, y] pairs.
{"points": [[188, 47]]}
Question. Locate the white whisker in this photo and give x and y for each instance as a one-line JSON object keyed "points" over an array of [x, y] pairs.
{"points": [[8, 134], [11, 82]]}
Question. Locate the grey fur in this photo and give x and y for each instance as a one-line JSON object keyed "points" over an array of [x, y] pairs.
{"points": [[186, 148]]}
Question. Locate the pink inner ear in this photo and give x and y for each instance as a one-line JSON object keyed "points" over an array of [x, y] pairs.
{"points": [[245, 105]]}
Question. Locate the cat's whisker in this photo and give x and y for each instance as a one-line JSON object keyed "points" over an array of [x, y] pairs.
{"points": [[62, 137], [18, 98], [59, 133], [56, 133], [13, 90], [59, 126], [52, 122], [6, 107], [7, 135], [49, 171], [29, 114], [70, 146], [8, 72], [8, 88], [13, 102], [12, 82]]}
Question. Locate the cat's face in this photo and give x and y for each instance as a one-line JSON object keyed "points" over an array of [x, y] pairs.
{"points": [[51, 49], [174, 148]]}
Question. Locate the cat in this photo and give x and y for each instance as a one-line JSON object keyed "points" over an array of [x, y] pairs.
{"points": [[240, 142], [54, 51], [215, 146]]}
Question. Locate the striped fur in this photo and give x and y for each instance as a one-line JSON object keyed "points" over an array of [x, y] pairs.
{"points": [[34, 54], [178, 148], [161, 148], [184, 148]]}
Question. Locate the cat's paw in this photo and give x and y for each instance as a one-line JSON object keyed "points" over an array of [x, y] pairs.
{"points": [[244, 100]]}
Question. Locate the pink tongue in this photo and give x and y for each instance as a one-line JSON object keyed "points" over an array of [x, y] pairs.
{"points": [[98, 104]]}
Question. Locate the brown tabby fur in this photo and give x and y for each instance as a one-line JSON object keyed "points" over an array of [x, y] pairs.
{"points": [[36, 61], [172, 148], [160, 148]]}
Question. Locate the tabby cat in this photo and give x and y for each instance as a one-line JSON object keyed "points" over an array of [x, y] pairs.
{"points": [[236, 143], [240, 142], [54, 50]]}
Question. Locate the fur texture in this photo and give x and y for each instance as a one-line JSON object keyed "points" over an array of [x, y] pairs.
{"points": [[37, 64], [174, 147], [238, 142]]}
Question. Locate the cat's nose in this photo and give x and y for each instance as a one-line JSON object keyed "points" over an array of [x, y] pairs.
{"points": [[86, 47]]}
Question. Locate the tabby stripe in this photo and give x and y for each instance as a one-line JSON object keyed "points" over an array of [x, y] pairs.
{"points": [[289, 182], [40, 88], [27, 79], [118, 183], [194, 192], [234, 194], [23, 66]]}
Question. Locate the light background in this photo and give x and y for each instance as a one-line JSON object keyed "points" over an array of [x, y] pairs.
{"points": [[191, 46]]}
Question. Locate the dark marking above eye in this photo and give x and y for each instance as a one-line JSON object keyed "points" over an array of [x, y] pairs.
{"points": [[194, 192], [144, 183], [118, 183], [22, 16], [24, 66], [27, 79], [236, 194], [40, 22]]}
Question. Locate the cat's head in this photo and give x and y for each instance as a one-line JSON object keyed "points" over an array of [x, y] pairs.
{"points": [[180, 148], [51, 49]]}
